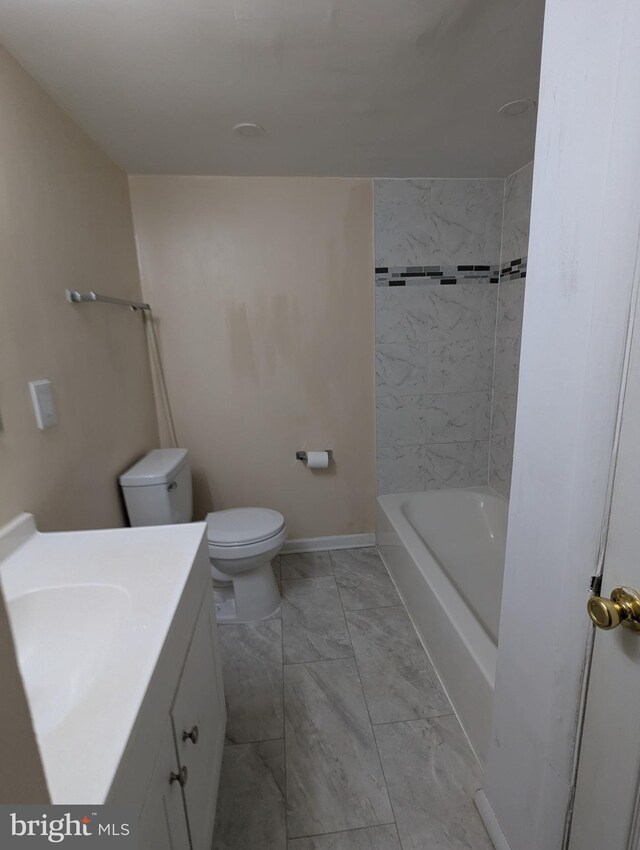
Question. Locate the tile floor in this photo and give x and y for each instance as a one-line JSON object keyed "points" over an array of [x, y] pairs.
{"points": [[339, 735]]}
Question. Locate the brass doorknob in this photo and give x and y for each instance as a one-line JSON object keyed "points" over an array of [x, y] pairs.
{"points": [[623, 607]]}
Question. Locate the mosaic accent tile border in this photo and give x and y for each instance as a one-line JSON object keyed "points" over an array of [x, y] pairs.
{"points": [[450, 275], [515, 270]]}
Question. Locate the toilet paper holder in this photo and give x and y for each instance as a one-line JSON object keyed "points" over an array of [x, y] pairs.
{"points": [[303, 455]]}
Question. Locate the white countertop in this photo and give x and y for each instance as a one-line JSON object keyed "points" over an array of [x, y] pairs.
{"points": [[90, 611]]}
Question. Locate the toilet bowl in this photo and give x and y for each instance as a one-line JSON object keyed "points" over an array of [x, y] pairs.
{"points": [[242, 543]]}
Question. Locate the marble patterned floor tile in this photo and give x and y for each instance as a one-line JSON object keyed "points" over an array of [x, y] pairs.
{"points": [[456, 465], [369, 838], [334, 776], [400, 368], [400, 469], [400, 420], [252, 669], [398, 679], [457, 417], [250, 812], [305, 565], [314, 627], [432, 775], [363, 580], [463, 365]]}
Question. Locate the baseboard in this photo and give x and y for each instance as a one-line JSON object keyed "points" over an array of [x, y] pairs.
{"points": [[490, 820], [321, 544]]}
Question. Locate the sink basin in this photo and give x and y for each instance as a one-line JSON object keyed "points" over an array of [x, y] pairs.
{"points": [[89, 613], [80, 623]]}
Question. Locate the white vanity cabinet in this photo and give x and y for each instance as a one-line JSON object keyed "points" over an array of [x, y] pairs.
{"points": [[198, 716], [162, 824], [170, 770], [143, 725]]}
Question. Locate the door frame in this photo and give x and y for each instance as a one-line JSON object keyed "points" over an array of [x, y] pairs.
{"points": [[582, 251]]}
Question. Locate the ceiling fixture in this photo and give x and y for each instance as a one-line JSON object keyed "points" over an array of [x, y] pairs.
{"points": [[516, 107], [249, 131]]}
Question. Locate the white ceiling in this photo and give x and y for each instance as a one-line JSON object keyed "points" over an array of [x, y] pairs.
{"points": [[344, 87]]}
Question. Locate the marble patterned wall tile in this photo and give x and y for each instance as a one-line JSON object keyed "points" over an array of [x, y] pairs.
{"points": [[519, 183], [503, 416], [501, 465], [457, 417], [510, 308], [401, 369], [401, 314], [401, 211], [515, 234], [467, 217], [456, 465], [507, 365], [464, 311], [400, 469], [424, 222], [515, 238], [400, 420], [460, 366], [434, 343]]}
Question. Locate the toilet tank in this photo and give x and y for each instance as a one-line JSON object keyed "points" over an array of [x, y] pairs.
{"points": [[157, 489]]}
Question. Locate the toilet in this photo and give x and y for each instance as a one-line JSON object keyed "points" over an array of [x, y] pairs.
{"points": [[242, 541]]}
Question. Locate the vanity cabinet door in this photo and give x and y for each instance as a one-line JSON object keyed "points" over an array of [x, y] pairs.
{"points": [[163, 823], [199, 721]]}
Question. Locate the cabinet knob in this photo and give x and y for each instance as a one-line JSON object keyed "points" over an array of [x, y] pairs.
{"points": [[192, 736], [180, 777]]}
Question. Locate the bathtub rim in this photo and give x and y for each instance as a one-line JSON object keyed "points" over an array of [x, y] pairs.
{"points": [[463, 658], [479, 643]]}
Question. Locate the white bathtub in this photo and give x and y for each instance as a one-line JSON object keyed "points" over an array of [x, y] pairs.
{"points": [[445, 551]]}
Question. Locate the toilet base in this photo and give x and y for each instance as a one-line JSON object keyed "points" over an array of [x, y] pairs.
{"points": [[254, 595]]}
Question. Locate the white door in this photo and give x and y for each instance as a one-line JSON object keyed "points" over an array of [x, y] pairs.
{"points": [[605, 811]]}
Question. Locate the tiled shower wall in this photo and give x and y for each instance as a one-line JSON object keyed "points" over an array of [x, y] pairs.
{"points": [[515, 241], [438, 245], [434, 340]]}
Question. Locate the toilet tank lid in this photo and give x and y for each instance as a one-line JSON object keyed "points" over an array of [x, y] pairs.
{"points": [[158, 467]]}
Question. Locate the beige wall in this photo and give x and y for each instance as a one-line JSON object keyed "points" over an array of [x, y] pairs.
{"points": [[65, 222], [263, 288]]}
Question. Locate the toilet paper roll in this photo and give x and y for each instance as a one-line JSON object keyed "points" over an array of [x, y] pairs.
{"points": [[317, 460]]}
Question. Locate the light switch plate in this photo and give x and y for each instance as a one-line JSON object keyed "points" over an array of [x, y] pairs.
{"points": [[43, 406]]}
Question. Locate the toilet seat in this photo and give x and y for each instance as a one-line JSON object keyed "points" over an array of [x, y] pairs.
{"points": [[243, 526], [240, 533]]}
